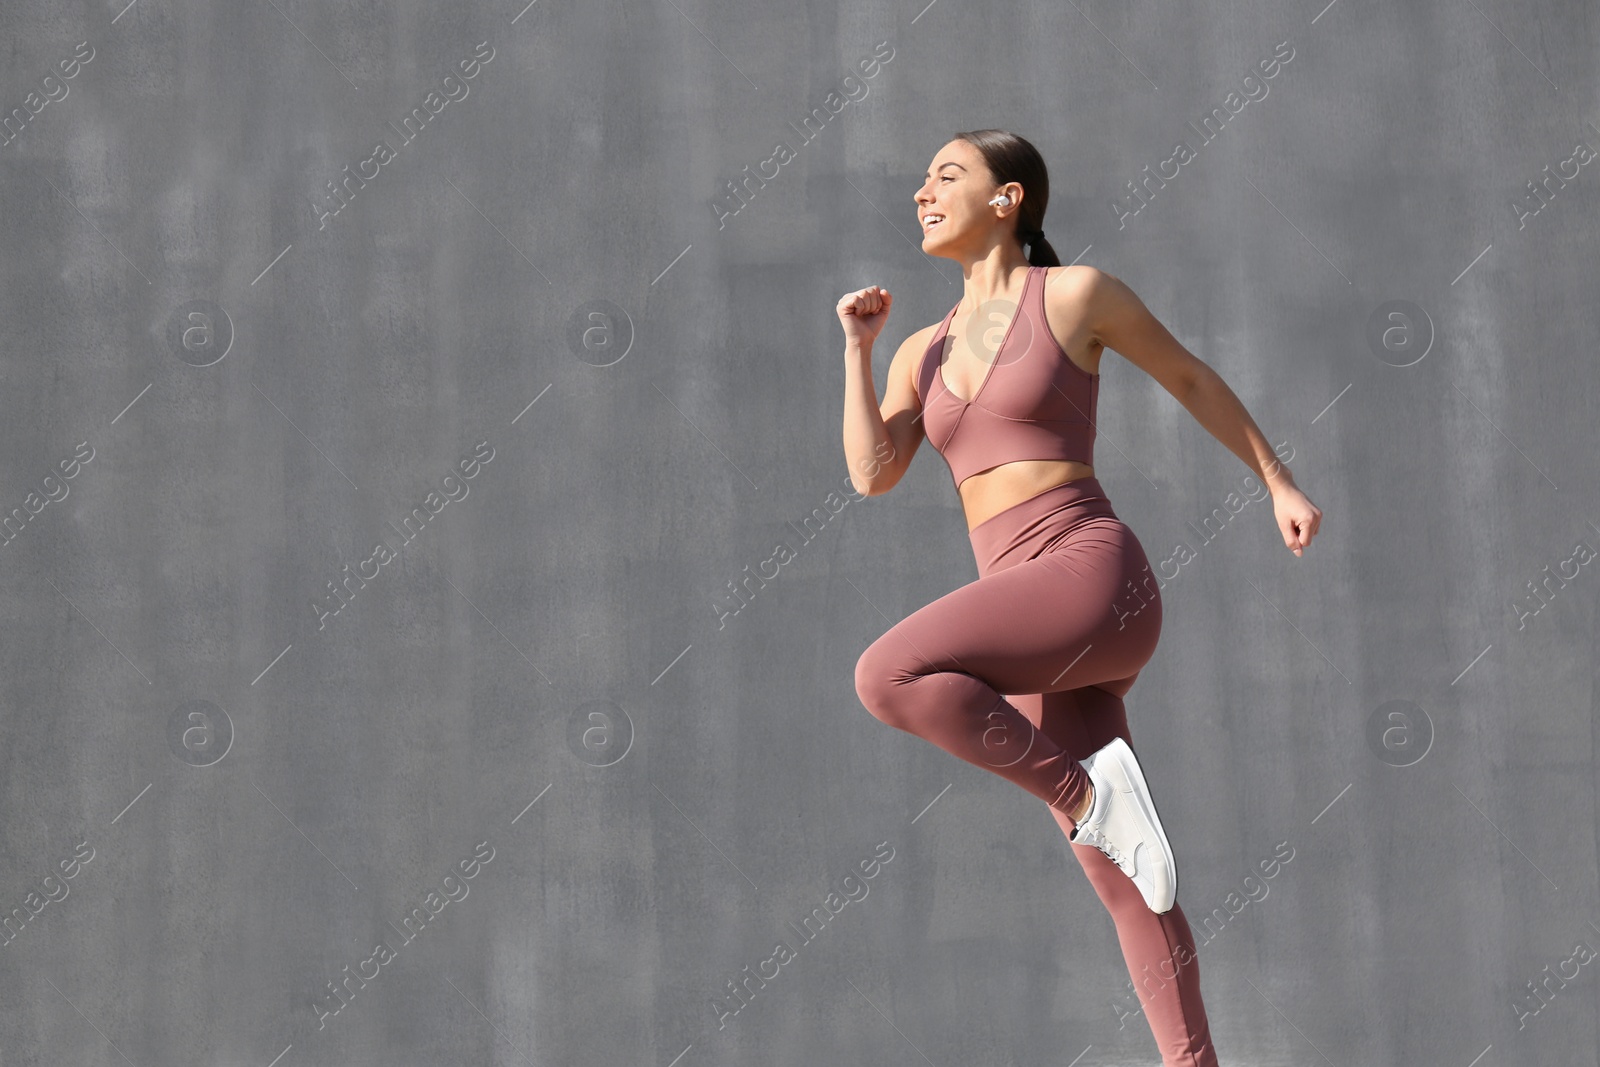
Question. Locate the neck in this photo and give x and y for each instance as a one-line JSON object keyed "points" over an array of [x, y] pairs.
{"points": [[996, 276]]}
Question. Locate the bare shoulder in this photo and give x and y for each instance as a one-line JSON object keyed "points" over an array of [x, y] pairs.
{"points": [[1069, 291], [1072, 276], [1070, 297], [918, 339], [1076, 283], [1100, 299], [1118, 320]]}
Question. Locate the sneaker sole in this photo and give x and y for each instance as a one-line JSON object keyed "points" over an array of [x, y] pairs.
{"points": [[1134, 786]]}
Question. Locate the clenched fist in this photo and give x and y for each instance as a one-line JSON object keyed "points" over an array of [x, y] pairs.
{"points": [[863, 313]]}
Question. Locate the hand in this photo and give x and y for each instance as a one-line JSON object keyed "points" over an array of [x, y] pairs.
{"points": [[1298, 518], [863, 313]]}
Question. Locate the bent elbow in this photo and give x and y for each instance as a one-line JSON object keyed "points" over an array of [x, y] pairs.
{"points": [[883, 483], [877, 488]]}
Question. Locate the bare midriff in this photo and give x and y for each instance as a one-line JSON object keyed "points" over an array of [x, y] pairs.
{"points": [[989, 492]]}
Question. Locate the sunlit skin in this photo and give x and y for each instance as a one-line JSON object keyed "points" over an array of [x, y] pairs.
{"points": [[1089, 311]]}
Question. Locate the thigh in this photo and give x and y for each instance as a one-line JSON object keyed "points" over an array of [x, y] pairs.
{"points": [[1056, 622]]}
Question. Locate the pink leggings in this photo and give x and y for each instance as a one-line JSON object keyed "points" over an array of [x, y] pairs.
{"points": [[1064, 615]]}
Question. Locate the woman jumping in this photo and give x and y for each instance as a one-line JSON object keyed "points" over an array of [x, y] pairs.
{"points": [[1023, 671]]}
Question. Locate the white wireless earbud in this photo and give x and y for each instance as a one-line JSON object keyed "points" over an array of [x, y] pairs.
{"points": [[1001, 201]]}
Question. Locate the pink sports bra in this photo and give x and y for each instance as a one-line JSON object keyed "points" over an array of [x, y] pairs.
{"points": [[1033, 402]]}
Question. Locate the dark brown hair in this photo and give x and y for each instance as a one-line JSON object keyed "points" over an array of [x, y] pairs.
{"points": [[1013, 159]]}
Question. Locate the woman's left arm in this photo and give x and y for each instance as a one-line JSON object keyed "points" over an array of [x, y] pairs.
{"points": [[1119, 320]]}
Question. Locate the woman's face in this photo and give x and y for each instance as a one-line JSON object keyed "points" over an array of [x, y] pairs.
{"points": [[956, 191]]}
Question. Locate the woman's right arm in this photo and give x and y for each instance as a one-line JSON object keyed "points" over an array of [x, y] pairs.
{"points": [[878, 442]]}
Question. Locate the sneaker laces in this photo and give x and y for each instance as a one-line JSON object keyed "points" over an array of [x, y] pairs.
{"points": [[1088, 835]]}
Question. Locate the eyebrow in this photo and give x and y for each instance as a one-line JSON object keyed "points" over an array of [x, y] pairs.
{"points": [[944, 165]]}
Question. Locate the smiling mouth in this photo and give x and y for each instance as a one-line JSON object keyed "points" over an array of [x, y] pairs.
{"points": [[929, 225]]}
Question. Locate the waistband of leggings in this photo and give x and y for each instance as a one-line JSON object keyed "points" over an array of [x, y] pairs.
{"points": [[1068, 494]]}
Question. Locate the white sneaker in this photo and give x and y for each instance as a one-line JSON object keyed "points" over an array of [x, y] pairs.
{"points": [[1122, 823]]}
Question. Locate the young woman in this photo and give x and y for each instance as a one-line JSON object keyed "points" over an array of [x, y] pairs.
{"points": [[1023, 671]]}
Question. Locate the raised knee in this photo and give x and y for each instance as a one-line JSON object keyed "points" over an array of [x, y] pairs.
{"points": [[876, 685]]}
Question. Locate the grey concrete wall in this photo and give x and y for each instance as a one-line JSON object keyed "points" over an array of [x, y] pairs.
{"points": [[538, 356]]}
